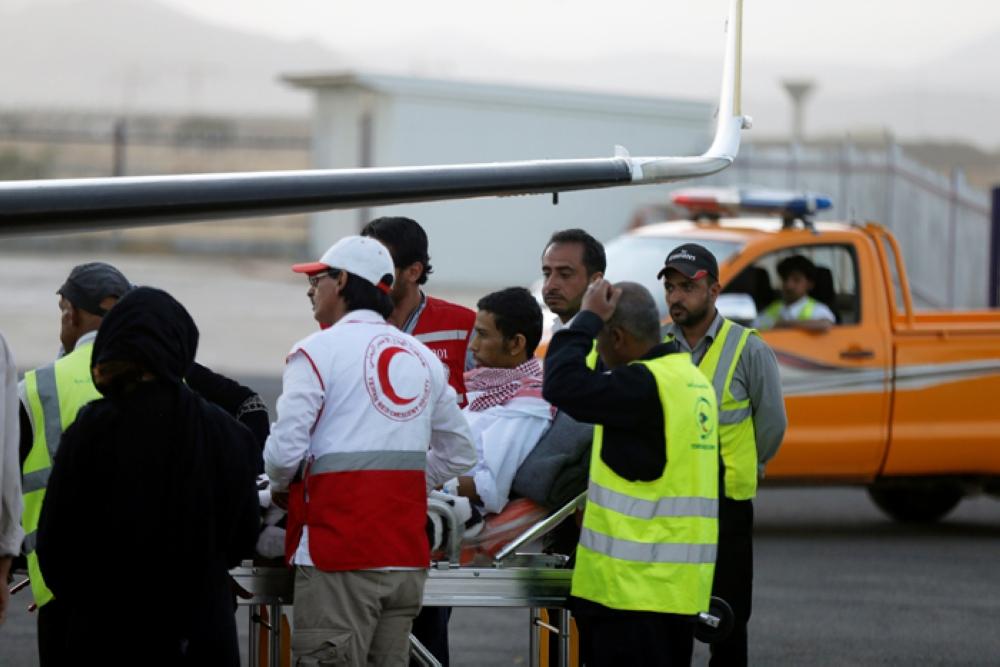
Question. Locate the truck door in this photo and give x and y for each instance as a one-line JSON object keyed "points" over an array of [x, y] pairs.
{"points": [[835, 382]]}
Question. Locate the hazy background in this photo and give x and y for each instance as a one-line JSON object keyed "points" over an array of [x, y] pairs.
{"points": [[926, 71]]}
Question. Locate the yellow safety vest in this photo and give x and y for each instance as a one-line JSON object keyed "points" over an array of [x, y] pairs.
{"points": [[773, 311], [651, 545], [736, 431], [55, 393]]}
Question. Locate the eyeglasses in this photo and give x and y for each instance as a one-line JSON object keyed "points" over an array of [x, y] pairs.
{"points": [[316, 277]]}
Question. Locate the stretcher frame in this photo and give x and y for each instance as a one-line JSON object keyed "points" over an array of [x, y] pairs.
{"points": [[517, 579]]}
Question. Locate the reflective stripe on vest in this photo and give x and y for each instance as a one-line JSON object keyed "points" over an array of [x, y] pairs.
{"points": [[736, 430], [445, 328], [48, 394], [379, 460], [35, 481], [367, 510], [651, 545], [54, 394], [441, 336], [648, 509], [645, 552]]}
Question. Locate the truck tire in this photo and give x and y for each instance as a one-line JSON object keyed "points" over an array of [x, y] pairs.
{"points": [[916, 502]]}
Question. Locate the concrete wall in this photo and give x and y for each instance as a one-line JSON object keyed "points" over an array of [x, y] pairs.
{"points": [[488, 243]]}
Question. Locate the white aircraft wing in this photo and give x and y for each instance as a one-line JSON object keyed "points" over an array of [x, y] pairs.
{"points": [[42, 206]]}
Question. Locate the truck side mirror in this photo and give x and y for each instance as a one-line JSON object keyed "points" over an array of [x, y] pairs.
{"points": [[739, 308]]}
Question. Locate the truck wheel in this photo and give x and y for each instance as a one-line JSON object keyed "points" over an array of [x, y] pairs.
{"points": [[918, 502]]}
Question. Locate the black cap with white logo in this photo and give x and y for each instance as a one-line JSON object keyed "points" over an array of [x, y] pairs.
{"points": [[692, 260]]}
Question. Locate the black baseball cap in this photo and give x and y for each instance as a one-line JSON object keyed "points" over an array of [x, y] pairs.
{"points": [[89, 284], [692, 260]]}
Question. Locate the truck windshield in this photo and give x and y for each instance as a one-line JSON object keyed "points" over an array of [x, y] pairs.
{"points": [[640, 258]]}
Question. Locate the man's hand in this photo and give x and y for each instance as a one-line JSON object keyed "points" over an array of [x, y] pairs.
{"points": [[601, 298]]}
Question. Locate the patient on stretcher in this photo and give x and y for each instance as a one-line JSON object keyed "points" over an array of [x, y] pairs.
{"points": [[506, 412]]}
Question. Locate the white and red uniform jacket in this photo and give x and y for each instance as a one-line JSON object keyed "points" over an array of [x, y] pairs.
{"points": [[445, 328], [368, 409]]}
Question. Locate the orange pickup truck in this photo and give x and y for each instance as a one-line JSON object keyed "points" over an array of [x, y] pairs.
{"points": [[900, 400]]}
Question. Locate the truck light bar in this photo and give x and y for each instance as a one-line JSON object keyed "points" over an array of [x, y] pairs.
{"points": [[715, 202]]}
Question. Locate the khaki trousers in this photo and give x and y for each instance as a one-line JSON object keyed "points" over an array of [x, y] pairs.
{"points": [[354, 619]]}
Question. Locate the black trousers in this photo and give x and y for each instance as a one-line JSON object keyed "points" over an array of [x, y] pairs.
{"points": [[53, 635], [636, 639], [431, 628], [734, 578]]}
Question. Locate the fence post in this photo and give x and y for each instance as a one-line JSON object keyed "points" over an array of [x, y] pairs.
{"points": [[794, 155], [892, 152], [118, 139], [994, 287], [845, 179], [955, 183]]}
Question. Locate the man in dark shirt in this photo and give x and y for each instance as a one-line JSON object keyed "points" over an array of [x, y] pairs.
{"points": [[647, 550], [625, 401], [149, 472]]}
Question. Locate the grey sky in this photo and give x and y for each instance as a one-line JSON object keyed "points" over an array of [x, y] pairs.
{"points": [[918, 69], [890, 32]]}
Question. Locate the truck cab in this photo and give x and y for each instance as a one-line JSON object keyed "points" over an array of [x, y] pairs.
{"points": [[899, 400]]}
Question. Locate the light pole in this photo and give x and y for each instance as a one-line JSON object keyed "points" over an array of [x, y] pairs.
{"points": [[798, 90]]}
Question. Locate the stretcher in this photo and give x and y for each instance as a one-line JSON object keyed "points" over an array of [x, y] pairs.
{"points": [[516, 577]]}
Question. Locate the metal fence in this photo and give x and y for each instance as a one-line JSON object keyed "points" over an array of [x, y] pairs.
{"points": [[942, 223]]}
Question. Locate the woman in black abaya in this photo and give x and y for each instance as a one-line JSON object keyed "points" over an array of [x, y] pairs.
{"points": [[150, 502]]}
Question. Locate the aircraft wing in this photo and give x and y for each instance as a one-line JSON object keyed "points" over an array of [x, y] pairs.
{"points": [[66, 205]]}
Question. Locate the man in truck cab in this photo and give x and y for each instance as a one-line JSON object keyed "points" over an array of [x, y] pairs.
{"points": [[744, 375], [795, 308]]}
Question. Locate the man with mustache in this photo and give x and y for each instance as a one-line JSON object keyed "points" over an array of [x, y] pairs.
{"points": [[744, 375], [571, 261]]}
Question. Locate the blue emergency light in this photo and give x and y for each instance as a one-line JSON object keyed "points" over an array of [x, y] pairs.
{"points": [[715, 202]]}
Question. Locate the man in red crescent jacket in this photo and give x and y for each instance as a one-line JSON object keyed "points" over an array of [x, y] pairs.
{"points": [[442, 326], [368, 410]]}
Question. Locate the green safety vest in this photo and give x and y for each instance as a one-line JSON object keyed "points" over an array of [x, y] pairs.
{"points": [[55, 393], [736, 431], [651, 546], [773, 311]]}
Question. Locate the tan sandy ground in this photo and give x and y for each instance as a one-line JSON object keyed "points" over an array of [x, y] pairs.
{"points": [[249, 311]]}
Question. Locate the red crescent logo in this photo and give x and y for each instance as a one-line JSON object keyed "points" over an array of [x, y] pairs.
{"points": [[383, 376]]}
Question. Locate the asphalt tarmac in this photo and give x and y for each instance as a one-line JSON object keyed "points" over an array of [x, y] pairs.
{"points": [[836, 584]]}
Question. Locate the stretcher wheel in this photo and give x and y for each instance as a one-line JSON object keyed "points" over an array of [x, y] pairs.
{"points": [[717, 624]]}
